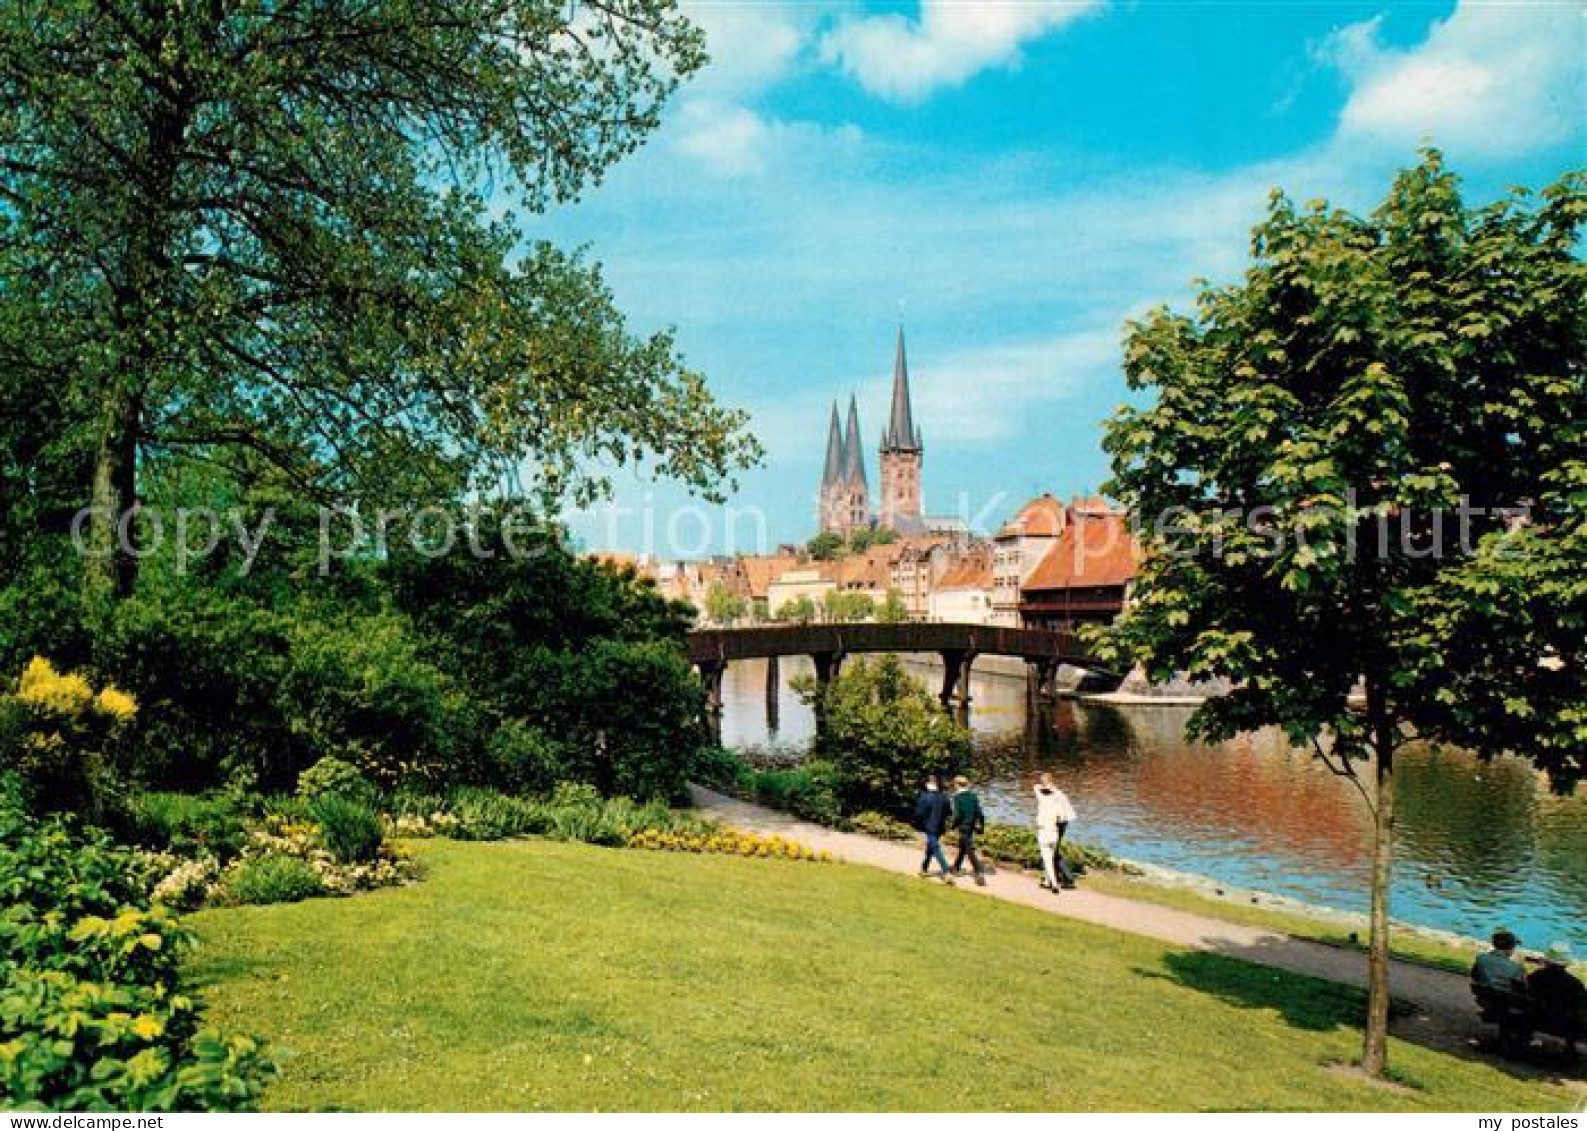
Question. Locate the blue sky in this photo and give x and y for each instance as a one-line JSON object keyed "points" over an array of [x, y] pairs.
{"points": [[1015, 180]]}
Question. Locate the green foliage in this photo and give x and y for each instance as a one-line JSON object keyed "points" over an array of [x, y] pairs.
{"points": [[893, 610], [844, 605], [1312, 425], [723, 606], [883, 734], [573, 812], [306, 274], [55, 731], [185, 824], [349, 828], [824, 546], [809, 791], [273, 879], [89, 1014], [801, 610], [332, 777], [522, 758]]}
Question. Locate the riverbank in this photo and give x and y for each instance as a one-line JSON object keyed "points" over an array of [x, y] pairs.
{"points": [[532, 975], [1440, 1011]]}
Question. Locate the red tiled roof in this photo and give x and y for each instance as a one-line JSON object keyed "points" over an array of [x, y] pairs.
{"points": [[1096, 549], [1042, 517], [759, 572]]}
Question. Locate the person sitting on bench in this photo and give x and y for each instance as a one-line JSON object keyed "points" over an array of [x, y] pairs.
{"points": [[1559, 1000], [1499, 984]]}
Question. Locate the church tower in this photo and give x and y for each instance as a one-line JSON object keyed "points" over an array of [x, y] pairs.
{"points": [[857, 489], [902, 455], [832, 506]]}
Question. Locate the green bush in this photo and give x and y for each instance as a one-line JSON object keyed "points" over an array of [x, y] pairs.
{"points": [[90, 1019], [488, 814], [884, 734], [882, 826], [522, 758], [273, 879], [809, 791], [333, 777], [186, 824], [350, 830]]}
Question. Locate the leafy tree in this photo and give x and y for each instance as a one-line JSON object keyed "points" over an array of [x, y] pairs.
{"points": [[723, 606], [1328, 481], [883, 732], [273, 234], [801, 610], [847, 605], [824, 546], [866, 537], [893, 610]]}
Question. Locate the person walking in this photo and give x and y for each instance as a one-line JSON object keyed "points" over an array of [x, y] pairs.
{"points": [[968, 820], [933, 811], [1053, 814]]}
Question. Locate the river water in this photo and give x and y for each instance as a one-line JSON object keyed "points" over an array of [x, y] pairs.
{"points": [[1479, 845]]}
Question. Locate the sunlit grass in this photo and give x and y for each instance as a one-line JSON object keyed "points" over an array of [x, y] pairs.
{"points": [[540, 975]]}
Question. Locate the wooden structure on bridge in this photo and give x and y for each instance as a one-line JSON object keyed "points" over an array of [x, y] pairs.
{"points": [[827, 645]]}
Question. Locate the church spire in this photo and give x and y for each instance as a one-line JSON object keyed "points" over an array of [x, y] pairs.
{"points": [[853, 452], [834, 465], [901, 433]]}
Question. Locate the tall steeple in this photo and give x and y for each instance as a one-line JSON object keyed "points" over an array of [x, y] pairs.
{"points": [[834, 465], [901, 433], [853, 451]]}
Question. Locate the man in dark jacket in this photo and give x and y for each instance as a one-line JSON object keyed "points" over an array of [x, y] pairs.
{"points": [[969, 820], [932, 813]]}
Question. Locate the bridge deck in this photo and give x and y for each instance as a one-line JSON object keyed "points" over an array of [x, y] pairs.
{"points": [[724, 645]]}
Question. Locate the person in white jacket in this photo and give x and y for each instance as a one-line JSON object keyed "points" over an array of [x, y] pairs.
{"points": [[1053, 814]]}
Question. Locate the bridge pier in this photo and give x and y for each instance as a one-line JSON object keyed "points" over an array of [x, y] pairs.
{"points": [[827, 665], [955, 695], [1041, 680], [711, 673], [773, 688]]}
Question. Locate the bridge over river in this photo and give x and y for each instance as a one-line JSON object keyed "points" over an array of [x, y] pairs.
{"points": [[958, 645]]}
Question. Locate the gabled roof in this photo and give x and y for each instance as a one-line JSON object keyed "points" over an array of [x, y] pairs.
{"points": [[1095, 550], [759, 572], [901, 433]]}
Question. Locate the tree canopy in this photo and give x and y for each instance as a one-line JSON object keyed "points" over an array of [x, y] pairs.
{"points": [[1365, 466], [281, 237]]}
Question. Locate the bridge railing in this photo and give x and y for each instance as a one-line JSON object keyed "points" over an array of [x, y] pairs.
{"points": [[722, 645]]}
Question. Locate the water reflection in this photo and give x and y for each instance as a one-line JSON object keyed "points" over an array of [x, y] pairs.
{"points": [[1478, 844]]}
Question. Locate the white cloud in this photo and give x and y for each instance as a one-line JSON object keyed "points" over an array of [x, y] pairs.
{"points": [[727, 139], [906, 59], [751, 45], [1491, 80]]}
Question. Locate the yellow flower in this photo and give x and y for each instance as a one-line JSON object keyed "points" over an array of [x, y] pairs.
{"points": [[148, 1027], [117, 704], [43, 686]]}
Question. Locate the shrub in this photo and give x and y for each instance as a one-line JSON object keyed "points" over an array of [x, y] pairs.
{"points": [[55, 732], [882, 826], [809, 791], [884, 734], [522, 758], [348, 829], [273, 879], [332, 777], [186, 824], [90, 1019]]}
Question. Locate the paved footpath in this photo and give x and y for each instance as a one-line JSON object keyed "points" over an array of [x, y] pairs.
{"points": [[1443, 1015]]}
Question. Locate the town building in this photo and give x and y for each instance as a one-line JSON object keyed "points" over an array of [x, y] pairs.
{"points": [[1017, 549], [963, 594], [845, 491], [1087, 575]]}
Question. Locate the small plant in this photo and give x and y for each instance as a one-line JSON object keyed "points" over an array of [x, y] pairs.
{"points": [[273, 879], [332, 777], [185, 824], [348, 829]]}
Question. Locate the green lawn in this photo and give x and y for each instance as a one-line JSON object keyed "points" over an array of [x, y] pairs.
{"points": [[541, 975]]}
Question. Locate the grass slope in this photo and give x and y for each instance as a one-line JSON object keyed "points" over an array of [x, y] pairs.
{"points": [[539, 975]]}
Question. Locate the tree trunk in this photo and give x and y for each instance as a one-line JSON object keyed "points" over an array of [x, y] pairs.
{"points": [[112, 565], [1375, 1048]]}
